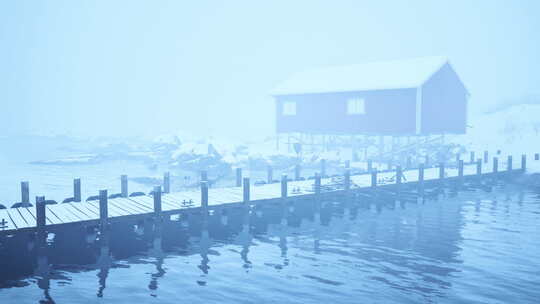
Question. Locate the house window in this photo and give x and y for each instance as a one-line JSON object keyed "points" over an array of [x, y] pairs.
{"points": [[356, 106], [289, 108]]}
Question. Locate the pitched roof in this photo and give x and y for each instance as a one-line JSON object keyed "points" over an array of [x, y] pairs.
{"points": [[395, 74]]}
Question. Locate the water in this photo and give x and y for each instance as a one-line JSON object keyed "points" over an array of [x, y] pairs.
{"points": [[476, 247]]}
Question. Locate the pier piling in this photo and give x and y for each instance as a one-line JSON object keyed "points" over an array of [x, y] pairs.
{"points": [[103, 218], [25, 192], [166, 182], [77, 190], [347, 180], [246, 189], [284, 185], [523, 162], [124, 185], [495, 164], [238, 177], [509, 163], [472, 158]]}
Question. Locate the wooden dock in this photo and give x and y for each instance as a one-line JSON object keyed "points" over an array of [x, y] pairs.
{"points": [[161, 203]]}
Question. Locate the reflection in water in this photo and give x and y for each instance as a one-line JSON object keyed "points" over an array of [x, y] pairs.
{"points": [[411, 250]]}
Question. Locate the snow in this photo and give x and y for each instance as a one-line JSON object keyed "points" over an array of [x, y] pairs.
{"points": [[514, 130], [409, 73]]}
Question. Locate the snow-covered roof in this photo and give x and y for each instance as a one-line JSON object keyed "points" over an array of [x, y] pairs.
{"points": [[384, 75]]}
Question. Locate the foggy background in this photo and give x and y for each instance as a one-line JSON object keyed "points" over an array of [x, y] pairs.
{"points": [[206, 67]]}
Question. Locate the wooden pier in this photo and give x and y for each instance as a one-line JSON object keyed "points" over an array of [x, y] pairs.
{"points": [[162, 203]]}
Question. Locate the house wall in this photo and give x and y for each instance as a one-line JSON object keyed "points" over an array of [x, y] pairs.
{"points": [[444, 103], [388, 112]]}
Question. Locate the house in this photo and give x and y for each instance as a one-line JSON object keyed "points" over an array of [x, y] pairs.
{"points": [[420, 96]]}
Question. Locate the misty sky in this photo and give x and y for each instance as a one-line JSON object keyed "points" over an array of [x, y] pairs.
{"points": [[206, 67]]}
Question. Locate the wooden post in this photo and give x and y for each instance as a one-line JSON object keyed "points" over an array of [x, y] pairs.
{"points": [[238, 177], [124, 185], [41, 222], [25, 192], [472, 157], [323, 167], [509, 163], [297, 172], [369, 165], [485, 157], [523, 162], [495, 165], [284, 185], [317, 183], [157, 201], [269, 175], [374, 178], [103, 218], [166, 183], [460, 171], [77, 190], [421, 174], [246, 189], [420, 181], [479, 167], [441, 171], [204, 175], [204, 201], [347, 180]]}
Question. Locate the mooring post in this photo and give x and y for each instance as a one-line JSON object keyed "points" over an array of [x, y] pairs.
{"points": [[323, 167], [269, 175], [317, 183], [495, 164], [297, 172], [472, 157], [158, 219], [124, 185], [25, 192], [441, 171], [420, 182], [238, 177], [369, 165], [157, 201], [374, 178], [523, 162], [246, 190], [509, 163], [77, 190], [284, 185], [204, 200], [347, 179], [399, 174], [479, 167], [166, 182], [41, 222], [460, 171], [486, 157], [103, 218]]}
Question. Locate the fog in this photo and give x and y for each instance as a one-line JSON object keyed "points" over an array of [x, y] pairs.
{"points": [[206, 68]]}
